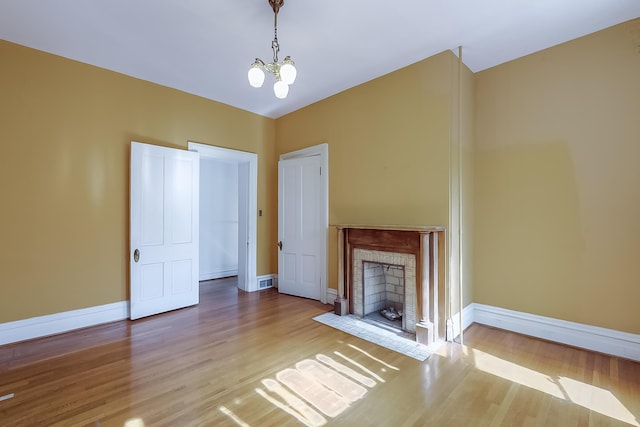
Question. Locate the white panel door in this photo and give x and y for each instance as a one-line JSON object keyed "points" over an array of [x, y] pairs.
{"points": [[163, 229], [299, 227]]}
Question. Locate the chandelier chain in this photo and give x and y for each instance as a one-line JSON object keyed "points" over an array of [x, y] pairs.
{"points": [[275, 46]]}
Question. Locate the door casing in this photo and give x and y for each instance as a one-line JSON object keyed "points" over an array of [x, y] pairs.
{"points": [[321, 150], [248, 214]]}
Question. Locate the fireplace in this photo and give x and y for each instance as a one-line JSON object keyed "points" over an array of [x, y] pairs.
{"points": [[383, 294], [410, 252], [394, 262]]}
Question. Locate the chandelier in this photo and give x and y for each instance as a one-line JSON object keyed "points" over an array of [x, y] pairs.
{"points": [[284, 72]]}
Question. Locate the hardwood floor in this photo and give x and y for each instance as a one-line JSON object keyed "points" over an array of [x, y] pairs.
{"points": [[224, 361]]}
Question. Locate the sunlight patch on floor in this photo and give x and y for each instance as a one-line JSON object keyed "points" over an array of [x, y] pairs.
{"points": [[354, 363], [580, 393], [314, 391], [294, 405], [362, 379], [229, 413], [373, 358], [134, 422]]}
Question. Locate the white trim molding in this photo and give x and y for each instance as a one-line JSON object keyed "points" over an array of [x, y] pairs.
{"points": [[602, 340], [41, 326], [453, 324], [218, 274]]}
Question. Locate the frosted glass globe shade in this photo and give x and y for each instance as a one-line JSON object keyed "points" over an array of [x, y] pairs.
{"points": [[288, 72], [256, 76], [281, 89]]}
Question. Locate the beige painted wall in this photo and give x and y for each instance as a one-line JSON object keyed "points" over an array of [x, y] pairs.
{"points": [[551, 228], [65, 131], [389, 146], [558, 182]]}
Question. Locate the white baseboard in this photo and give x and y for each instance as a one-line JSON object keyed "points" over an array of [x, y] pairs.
{"points": [[594, 338], [453, 325], [218, 274], [608, 341], [36, 327]]}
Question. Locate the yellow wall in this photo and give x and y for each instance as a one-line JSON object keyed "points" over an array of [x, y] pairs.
{"points": [[389, 146], [65, 131], [551, 228], [558, 183]]}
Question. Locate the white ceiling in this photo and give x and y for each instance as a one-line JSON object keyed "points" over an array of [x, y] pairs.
{"points": [[205, 47]]}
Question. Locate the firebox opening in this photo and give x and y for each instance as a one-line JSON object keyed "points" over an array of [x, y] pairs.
{"points": [[383, 290]]}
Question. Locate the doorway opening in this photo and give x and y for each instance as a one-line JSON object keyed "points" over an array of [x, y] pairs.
{"points": [[246, 166]]}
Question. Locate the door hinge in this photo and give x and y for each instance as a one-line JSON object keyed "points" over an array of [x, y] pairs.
{"points": [[320, 170]]}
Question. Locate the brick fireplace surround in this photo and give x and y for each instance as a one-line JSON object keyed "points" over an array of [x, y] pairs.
{"points": [[417, 248]]}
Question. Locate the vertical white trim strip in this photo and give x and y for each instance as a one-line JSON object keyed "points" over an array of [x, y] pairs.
{"points": [[466, 318], [460, 291]]}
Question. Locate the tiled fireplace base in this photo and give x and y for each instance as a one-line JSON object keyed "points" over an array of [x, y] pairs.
{"points": [[408, 261]]}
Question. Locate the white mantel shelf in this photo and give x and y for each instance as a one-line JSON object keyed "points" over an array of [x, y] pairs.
{"points": [[425, 228]]}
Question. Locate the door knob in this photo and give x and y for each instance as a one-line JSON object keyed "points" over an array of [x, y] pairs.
{"points": [[280, 244], [136, 255]]}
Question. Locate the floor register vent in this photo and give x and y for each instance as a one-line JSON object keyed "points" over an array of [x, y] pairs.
{"points": [[265, 282]]}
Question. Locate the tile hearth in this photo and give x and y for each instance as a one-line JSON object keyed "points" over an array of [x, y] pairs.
{"points": [[391, 338]]}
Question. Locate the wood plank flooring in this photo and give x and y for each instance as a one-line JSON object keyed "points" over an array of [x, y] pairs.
{"points": [[225, 363]]}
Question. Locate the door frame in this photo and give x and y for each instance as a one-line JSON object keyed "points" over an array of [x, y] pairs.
{"points": [[321, 150], [250, 218]]}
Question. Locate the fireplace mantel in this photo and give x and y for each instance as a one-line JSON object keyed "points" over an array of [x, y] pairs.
{"points": [[419, 228], [423, 242]]}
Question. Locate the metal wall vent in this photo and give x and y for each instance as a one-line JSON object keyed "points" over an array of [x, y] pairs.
{"points": [[265, 283]]}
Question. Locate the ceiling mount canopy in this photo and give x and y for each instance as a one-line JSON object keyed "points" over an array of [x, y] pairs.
{"points": [[276, 5], [284, 72]]}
